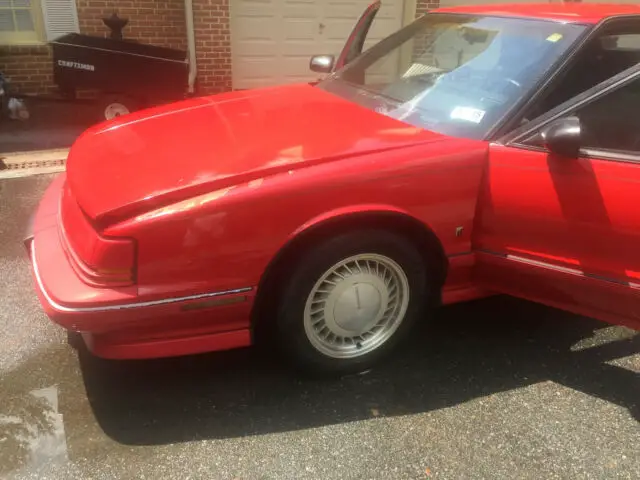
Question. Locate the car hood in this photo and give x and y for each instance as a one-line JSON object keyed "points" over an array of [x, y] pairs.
{"points": [[166, 154]]}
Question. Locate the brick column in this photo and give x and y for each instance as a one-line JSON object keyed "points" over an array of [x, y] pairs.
{"points": [[420, 43], [213, 46], [423, 6]]}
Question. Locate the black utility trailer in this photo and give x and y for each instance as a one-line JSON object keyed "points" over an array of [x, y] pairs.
{"points": [[127, 74]]}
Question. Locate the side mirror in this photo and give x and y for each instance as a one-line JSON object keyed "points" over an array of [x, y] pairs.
{"points": [[322, 63], [563, 137]]}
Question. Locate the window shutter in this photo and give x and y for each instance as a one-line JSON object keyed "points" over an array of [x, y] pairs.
{"points": [[60, 17]]}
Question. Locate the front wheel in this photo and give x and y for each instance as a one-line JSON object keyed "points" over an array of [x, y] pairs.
{"points": [[351, 300]]}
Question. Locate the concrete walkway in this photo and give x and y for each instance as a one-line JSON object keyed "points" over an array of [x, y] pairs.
{"points": [[24, 164]]}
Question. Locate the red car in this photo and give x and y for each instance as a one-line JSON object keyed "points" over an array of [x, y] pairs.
{"points": [[478, 150]]}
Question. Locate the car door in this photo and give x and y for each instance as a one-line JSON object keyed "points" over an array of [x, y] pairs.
{"points": [[352, 47], [355, 41], [562, 228]]}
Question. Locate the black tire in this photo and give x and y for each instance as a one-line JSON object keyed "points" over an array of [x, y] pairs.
{"points": [[309, 269], [74, 339]]}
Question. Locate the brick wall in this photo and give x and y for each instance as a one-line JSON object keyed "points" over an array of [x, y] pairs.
{"points": [[150, 21], [28, 68], [213, 45]]}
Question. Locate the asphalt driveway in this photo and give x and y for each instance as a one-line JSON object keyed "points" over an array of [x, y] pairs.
{"points": [[53, 124], [493, 389]]}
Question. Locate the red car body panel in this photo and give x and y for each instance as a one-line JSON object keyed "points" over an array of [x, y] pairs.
{"points": [[569, 221], [584, 13], [221, 226], [198, 199], [223, 140]]}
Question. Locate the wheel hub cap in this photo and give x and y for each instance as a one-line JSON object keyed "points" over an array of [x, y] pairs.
{"points": [[114, 110], [356, 306]]}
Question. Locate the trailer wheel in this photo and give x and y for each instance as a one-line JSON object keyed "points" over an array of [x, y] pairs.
{"points": [[113, 106]]}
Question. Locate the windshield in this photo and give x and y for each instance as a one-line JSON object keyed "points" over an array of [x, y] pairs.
{"points": [[453, 74]]}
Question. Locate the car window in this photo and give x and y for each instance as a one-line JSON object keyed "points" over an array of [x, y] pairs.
{"points": [[612, 122], [602, 58], [454, 74], [609, 123], [622, 43]]}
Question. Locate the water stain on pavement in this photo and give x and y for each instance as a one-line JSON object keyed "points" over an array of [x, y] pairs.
{"points": [[32, 431]]}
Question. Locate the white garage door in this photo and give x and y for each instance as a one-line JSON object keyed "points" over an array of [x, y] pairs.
{"points": [[272, 40]]}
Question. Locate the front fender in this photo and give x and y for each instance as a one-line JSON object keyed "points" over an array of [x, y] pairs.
{"points": [[337, 213]]}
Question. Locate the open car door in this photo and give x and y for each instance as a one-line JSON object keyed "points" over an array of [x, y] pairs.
{"points": [[355, 42], [558, 221], [353, 46]]}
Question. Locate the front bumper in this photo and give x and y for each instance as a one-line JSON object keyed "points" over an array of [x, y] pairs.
{"points": [[117, 322], [28, 234], [64, 296]]}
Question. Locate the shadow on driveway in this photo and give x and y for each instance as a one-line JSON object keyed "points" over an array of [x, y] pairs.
{"points": [[53, 124], [471, 350]]}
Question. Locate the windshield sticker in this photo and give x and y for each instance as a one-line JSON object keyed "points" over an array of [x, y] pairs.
{"points": [[467, 113], [554, 37]]}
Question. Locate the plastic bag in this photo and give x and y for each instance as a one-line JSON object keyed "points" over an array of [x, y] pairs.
{"points": [[17, 109]]}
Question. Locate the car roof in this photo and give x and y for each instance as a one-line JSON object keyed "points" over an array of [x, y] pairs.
{"points": [[563, 12]]}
